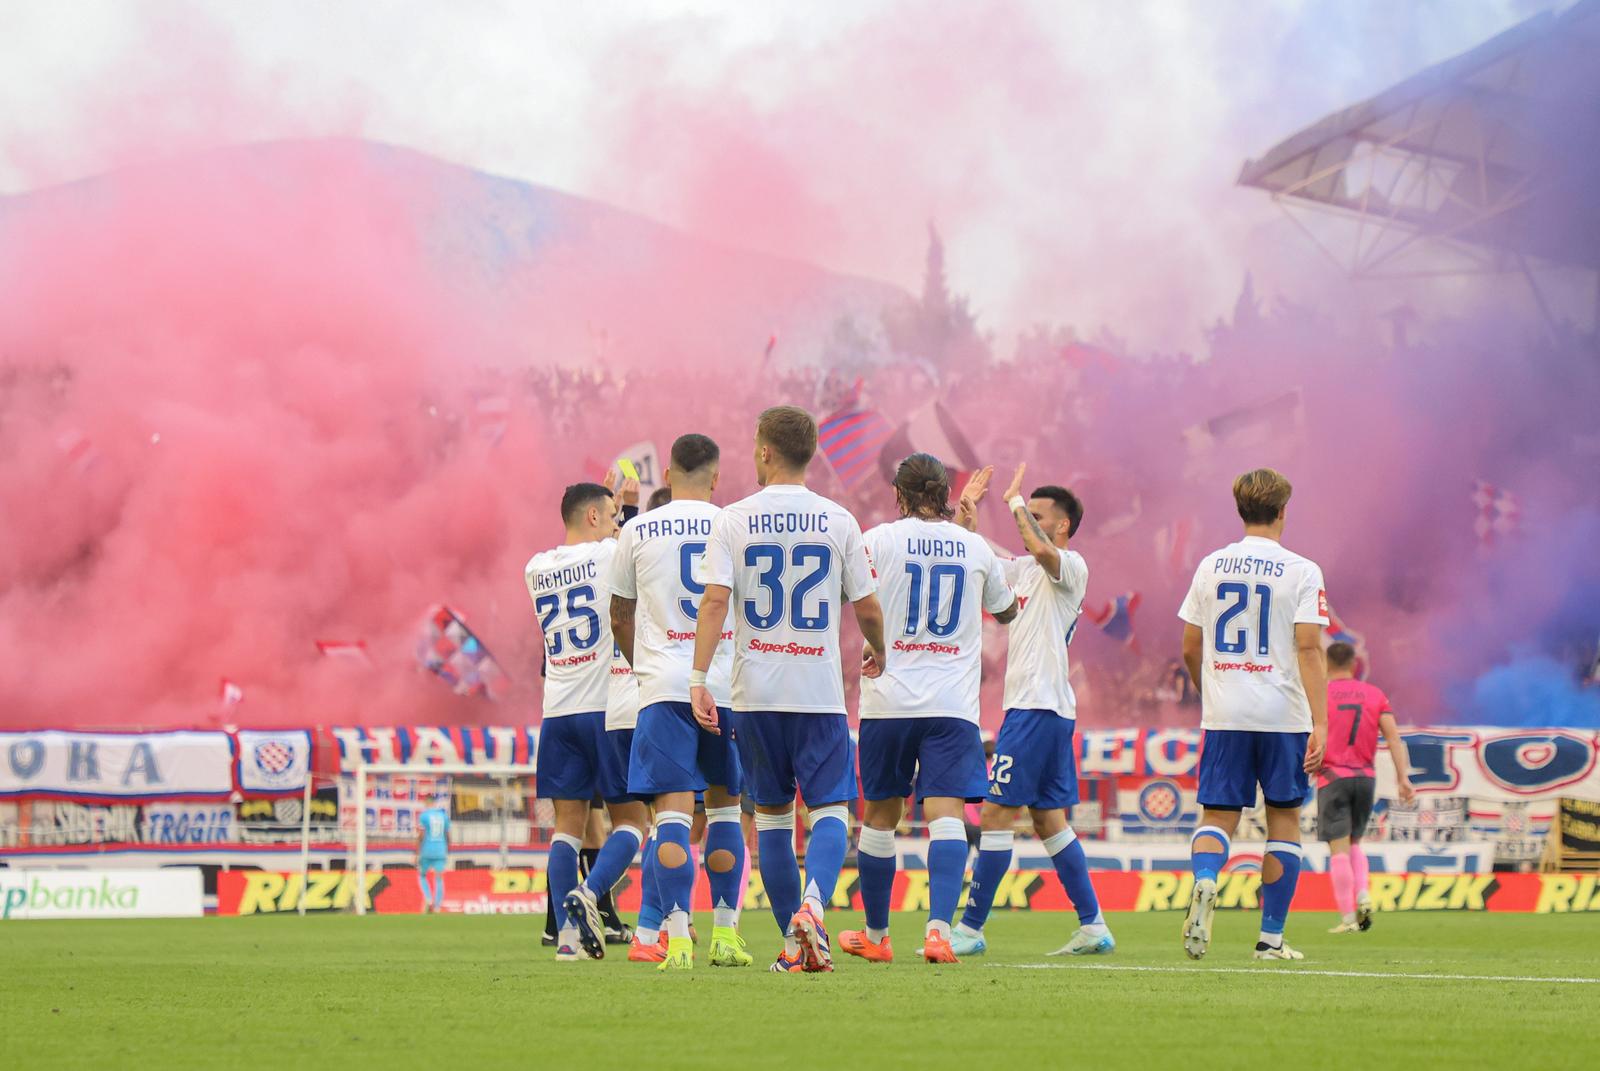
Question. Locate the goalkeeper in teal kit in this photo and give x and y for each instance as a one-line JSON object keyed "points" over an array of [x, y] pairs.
{"points": [[433, 853]]}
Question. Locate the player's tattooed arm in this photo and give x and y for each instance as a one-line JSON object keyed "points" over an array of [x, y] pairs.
{"points": [[1008, 615], [1039, 545], [622, 618]]}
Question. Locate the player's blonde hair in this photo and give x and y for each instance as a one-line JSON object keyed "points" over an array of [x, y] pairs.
{"points": [[1261, 495]]}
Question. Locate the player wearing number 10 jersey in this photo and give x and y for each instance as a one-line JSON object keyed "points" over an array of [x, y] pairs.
{"points": [[570, 588], [778, 561], [919, 720], [656, 588], [1252, 640]]}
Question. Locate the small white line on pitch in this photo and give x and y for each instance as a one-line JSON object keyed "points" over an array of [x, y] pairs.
{"points": [[1300, 971]]}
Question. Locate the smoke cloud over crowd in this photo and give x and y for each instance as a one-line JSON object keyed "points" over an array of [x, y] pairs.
{"points": [[256, 398]]}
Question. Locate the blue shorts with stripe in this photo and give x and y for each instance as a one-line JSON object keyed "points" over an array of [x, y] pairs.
{"points": [[1035, 761], [782, 752], [671, 753], [937, 756], [569, 759], [1234, 761]]}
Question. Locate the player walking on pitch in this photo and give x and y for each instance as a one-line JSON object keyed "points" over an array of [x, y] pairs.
{"points": [[433, 851], [778, 562], [1035, 763], [571, 596], [919, 720], [1347, 783], [1252, 640], [655, 588]]}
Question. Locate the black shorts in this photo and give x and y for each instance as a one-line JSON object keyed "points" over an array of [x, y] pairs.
{"points": [[1344, 807]]}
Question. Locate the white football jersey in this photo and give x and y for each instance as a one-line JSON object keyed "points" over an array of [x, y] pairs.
{"points": [[1047, 616], [935, 580], [660, 561], [570, 587], [1247, 599], [787, 553], [622, 697]]}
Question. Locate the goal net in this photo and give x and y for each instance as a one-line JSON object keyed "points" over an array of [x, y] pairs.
{"points": [[495, 820]]}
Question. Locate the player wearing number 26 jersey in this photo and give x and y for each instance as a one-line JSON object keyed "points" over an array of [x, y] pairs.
{"points": [[1252, 640], [919, 720], [777, 562], [656, 588], [570, 588]]}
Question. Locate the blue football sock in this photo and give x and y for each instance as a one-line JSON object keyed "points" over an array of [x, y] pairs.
{"points": [[614, 857], [780, 871], [562, 870], [1277, 895], [425, 885], [675, 883], [649, 894], [724, 834], [825, 851], [1208, 863], [994, 859], [947, 862], [875, 855], [1072, 867]]}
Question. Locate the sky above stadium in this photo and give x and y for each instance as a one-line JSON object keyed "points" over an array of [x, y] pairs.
{"points": [[1079, 158]]}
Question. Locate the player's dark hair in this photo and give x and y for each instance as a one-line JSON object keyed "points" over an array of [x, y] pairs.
{"points": [[691, 453], [659, 497], [1065, 501], [579, 497], [1341, 655], [791, 433], [1261, 494], [924, 487]]}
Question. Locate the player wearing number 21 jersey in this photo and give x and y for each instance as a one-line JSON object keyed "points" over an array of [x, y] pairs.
{"points": [[777, 562], [656, 588], [919, 720], [570, 588], [1252, 639]]}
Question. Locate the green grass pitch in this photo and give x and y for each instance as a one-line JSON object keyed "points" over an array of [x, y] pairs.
{"points": [[478, 991]]}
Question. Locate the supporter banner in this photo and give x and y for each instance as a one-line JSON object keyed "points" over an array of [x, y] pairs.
{"points": [[395, 891], [175, 823], [1580, 826], [274, 762], [116, 766], [1480, 763], [100, 894], [501, 745], [392, 804]]}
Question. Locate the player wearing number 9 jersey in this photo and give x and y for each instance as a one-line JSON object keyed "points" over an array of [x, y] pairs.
{"points": [[656, 587], [1252, 640], [919, 720], [570, 588], [777, 562]]}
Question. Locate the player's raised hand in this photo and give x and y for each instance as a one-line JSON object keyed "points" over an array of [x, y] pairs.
{"points": [[705, 708], [1016, 482], [871, 662], [609, 480], [1315, 746], [972, 494], [630, 492]]}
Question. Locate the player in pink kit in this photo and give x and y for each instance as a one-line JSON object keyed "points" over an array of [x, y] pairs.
{"points": [[1357, 712]]}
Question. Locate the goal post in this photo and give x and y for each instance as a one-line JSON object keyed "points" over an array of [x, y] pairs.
{"points": [[492, 813]]}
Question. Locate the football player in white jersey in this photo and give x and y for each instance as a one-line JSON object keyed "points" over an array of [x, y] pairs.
{"points": [[656, 587], [1252, 639], [778, 561], [1035, 760], [570, 588], [919, 719]]}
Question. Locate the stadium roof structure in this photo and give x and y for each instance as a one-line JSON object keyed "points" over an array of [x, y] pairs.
{"points": [[1475, 165]]}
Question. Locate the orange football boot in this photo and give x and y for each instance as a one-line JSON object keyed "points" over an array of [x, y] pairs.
{"points": [[857, 943], [936, 949]]}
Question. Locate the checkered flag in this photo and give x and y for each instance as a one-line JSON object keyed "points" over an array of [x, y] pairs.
{"points": [[1499, 514]]}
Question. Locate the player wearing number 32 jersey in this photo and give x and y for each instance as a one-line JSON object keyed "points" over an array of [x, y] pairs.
{"points": [[1252, 641], [777, 562], [919, 720]]}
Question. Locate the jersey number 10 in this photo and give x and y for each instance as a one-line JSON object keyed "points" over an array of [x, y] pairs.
{"points": [[1240, 639], [937, 574]]}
